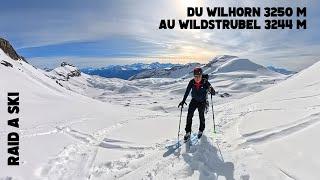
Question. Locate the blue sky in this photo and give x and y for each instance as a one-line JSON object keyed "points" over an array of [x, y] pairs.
{"points": [[101, 32]]}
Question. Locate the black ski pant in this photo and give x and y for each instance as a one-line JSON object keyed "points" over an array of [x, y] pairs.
{"points": [[192, 107]]}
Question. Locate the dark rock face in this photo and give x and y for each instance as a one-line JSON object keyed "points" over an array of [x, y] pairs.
{"points": [[9, 50], [66, 64], [5, 63], [75, 73]]}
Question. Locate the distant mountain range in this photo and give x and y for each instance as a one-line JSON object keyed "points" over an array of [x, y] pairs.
{"points": [[125, 71], [217, 66], [160, 70], [176, 71], [281, 70]]}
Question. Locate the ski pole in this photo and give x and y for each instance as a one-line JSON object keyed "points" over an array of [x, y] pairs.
{"points": [[180, 122], [214, 124]]}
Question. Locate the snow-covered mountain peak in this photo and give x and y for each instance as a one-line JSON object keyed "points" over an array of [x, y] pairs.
{"points": [[64, 72], [220, 59], [237, 64]]}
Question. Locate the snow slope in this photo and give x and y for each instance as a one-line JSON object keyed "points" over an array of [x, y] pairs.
{"points": [[268, 135], [275, 131], [62, 132], [65, 135]]}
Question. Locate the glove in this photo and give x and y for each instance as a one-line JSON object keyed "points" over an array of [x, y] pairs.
{"points": [[212, 91], [182, 103]]}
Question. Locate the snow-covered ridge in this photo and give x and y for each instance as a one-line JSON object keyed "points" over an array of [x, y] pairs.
{"points": [[227, 64], [238, 64], [64, 72], [16, 70], [218, 60], [281, 70]]}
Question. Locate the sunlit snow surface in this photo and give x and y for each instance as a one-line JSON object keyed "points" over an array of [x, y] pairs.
{"points": [[89, 127]]}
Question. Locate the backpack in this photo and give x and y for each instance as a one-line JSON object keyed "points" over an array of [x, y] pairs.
{"points": [[205, 76]]}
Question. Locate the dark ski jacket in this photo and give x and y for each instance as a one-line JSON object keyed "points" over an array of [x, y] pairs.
{"points": [[199, 91]]}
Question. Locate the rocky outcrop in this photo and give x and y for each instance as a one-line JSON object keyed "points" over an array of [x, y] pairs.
{"points": [[63, 64], [9, 50], [64, 72], [74, 71]]}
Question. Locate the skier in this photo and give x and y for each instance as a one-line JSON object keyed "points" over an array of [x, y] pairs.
{"points": [[200, 87]]}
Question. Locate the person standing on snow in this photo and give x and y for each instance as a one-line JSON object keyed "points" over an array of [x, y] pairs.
{"points": [[200, 87]]}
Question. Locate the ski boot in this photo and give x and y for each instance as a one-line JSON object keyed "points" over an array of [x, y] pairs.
{"points": [[200, 134], [186, 137]]}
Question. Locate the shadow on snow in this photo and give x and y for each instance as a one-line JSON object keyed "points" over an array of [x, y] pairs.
{"points": [[206, 159]]}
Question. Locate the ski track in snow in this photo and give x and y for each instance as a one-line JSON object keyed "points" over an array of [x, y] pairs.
{"points": [[204, 160], [281, 131], [76, 160], [241, 155], [243, 144], [287, 174]]}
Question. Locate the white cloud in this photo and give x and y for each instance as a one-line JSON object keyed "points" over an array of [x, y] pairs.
{"points": [[88, 21]]}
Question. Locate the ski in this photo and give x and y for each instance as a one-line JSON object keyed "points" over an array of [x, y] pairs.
{"points": [[175, 145], [195, 141], [178, 144], [193, 138]]}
